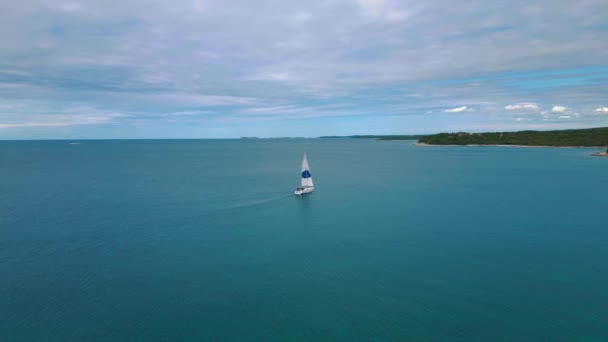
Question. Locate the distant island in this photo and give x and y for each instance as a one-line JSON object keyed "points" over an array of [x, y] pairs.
{"points": [[376, 137], [591, 137]]}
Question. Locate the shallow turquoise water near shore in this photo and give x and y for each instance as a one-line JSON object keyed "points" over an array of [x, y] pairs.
{"points": [[203, 240]]}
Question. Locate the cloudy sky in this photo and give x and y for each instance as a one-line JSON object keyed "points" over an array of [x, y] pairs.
{"points": [[216, 68]]}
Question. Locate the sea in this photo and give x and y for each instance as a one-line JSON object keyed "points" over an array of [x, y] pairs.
{"points": [[204, 240]]}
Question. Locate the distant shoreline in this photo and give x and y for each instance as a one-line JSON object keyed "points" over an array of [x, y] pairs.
{"points": [[503, 145], [587, 137]]}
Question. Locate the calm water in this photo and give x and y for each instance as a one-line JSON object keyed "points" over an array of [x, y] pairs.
{"points": [[203, 240]]}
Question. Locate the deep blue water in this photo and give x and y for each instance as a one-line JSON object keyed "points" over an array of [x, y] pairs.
{"points": [[203, 240]]}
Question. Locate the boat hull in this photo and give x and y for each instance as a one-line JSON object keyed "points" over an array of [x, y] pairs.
{"points": [[302, 191]]}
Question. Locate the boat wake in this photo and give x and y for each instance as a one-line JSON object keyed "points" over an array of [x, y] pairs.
{"points": [[256, 201]]}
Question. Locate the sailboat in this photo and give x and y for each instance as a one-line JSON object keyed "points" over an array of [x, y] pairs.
{"points": [[306, 185]]}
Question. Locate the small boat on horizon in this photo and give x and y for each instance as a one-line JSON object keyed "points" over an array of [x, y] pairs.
{"points": [[306, 184]]}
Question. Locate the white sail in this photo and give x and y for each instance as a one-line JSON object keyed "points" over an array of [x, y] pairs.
{"points": [[306, 176]]}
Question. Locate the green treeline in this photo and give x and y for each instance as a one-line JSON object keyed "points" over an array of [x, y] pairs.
{"points": [[570, 137]]}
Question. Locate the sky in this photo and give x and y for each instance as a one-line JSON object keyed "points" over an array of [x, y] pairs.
{"points": [[224, 69]]}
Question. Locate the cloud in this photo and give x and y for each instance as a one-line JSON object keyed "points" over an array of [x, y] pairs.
{"points": [[63, 120], [292, 111], [396, 15], [384, 9], [523, 106], [190, 113], [564, 117], [456, 110], [274, 109], [519, 119], [208, 100], [559, 109], [271, 76], [286, 56], [602, 109]]}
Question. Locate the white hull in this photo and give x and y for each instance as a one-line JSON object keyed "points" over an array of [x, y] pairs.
{"points": [[302, 191]]}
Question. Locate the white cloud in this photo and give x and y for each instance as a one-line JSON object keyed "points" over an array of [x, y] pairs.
{"points": [[559, 109], [69, 7], [11, 106], [64, 120], [291, 109], [198, 5], [396, 15], [373, 7], [456, 110], [284, 56], [519, 119], [272, 76], [523, 106], [208, 100], [274, 109], [564, 117], [383, 9], [190, 113]]}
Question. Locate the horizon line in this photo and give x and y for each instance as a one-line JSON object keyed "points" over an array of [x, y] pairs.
{"points": [[285, 137]]}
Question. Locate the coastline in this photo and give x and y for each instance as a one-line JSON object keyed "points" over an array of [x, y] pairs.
{"points": [[518, 146]]}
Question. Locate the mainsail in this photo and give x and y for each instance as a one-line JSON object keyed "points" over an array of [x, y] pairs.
{"points": [[306, 177]]}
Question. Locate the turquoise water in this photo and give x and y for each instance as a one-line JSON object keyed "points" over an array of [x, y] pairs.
{"points": [[203, 240]]}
